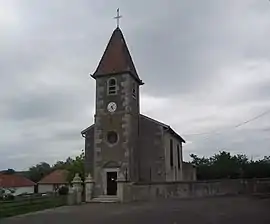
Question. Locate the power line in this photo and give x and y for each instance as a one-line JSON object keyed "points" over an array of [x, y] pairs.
{"points": [[235, 126], [252, 119]]}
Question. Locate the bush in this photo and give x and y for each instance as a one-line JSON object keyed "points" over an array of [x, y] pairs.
{"points": [[8, 197], [63, 190]]}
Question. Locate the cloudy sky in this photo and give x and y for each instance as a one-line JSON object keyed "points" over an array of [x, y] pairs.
{"points": [[206, 65]]}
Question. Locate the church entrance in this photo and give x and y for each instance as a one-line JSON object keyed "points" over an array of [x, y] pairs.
{"points": [[111, 183]]}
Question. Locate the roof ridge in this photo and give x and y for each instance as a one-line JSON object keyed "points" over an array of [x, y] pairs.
{"points": [[168, 127], [154, 120]]}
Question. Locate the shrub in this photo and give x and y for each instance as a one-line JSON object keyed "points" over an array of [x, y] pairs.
{"points": [[63, 190]]}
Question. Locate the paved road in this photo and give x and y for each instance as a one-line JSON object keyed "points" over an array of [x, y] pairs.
{"points": [[221, 210]]}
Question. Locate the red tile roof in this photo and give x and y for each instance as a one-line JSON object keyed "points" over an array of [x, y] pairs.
{"points": [[116, 58], [13, 180], [56, 177]]}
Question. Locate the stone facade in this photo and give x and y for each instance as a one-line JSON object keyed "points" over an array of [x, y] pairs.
{"points": [[174, 170], [124, 121], [151, 150], [153, 154], [89, 149], [143, 149]]}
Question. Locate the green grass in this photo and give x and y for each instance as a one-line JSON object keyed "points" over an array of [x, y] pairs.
{"points": [[26, 205]]}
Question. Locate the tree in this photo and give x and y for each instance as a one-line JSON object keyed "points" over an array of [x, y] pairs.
{"points": [[58, 165], [224, 165], [37, 172], [76, 166], [72, 165]]}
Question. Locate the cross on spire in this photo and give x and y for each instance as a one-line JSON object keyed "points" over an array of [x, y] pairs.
{"points": [[117, 17]]}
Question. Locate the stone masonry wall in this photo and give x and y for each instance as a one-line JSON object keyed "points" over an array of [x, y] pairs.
{"points": [[124, 121], [189, 172], [89, 151], [153, 191], [151, 151]]}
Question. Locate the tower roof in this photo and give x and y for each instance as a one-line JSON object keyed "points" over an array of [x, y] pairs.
{"points": [[116, 58]]}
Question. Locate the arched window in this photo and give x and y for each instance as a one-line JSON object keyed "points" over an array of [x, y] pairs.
{"points": [[112, 86]]}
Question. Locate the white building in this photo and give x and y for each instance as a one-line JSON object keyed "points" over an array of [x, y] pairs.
{"points": [[16, 184], [53, 181]]}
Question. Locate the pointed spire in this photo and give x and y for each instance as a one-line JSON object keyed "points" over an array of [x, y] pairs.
{"points": [[116, 58]]}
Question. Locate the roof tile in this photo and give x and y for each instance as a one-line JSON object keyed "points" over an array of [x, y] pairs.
{"points": [[116, 58], [13, 180], [56, 177]]}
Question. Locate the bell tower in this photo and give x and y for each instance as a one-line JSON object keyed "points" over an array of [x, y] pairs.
{"points": [[116, 130]]}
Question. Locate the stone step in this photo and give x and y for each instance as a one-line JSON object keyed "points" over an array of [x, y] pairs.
{"points": [[105, 199]]}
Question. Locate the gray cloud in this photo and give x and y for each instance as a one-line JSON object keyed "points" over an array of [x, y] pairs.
{"points": [[51, 106], [205, 65]]}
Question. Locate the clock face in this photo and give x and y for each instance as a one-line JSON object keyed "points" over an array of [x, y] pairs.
{"points": [[111, 107]]}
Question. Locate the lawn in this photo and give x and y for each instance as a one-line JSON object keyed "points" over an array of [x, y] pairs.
{"points": [[30, 204]]}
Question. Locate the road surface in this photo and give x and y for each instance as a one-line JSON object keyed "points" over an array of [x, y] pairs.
{"points": [[219, 210]]}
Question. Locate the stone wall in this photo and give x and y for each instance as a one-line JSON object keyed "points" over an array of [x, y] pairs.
{"points": [[153, 191], [89, 150], [174, 171], [151, 151], [189, 172]]}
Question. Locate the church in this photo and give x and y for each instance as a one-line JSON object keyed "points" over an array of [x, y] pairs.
{"points": [[122, 141]]}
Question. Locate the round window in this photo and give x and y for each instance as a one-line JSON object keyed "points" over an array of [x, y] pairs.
{"points": [[112, 137]]}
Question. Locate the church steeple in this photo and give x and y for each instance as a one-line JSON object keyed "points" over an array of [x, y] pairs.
{"points": [[116, 58]]}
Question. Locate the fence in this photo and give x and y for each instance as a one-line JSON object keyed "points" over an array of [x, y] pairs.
{"points": [[30, 204]]}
